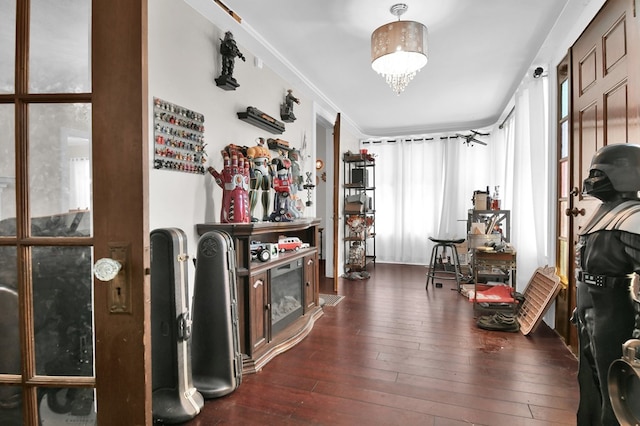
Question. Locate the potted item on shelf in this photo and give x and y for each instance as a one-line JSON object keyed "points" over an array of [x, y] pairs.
{"points": [[356, 254], [356, 226]]}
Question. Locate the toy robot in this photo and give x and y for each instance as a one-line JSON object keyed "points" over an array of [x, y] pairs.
{"points": [[234, 181], [607, 254], [282, 180]]}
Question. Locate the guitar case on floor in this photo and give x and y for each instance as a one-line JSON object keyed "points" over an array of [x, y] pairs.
{"points": [[174, 397], [216, 355]]}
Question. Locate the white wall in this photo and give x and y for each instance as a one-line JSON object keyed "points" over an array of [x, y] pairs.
{"points": [[184, 60]]}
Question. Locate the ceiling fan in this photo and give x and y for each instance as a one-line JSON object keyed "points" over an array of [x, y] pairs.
{"points": [[470, 139]]}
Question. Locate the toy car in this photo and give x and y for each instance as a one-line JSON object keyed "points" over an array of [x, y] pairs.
{"points": [[289, 244], [260, 251]]}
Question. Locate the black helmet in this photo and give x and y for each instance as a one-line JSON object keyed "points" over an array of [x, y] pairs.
{"points": [[621, 164]]}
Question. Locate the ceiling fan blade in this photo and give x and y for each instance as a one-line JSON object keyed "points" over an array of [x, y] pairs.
{"points": [[478, 141]]}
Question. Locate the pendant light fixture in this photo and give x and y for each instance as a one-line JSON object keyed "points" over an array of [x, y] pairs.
{"points": [[399, 49]]}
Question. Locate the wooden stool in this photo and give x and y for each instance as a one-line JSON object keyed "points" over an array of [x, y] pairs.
{"points": [[440, 248]]}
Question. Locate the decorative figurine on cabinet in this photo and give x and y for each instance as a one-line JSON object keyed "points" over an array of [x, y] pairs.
{"points": [[607, 254], [229, 51], [296, 175], [286, 109], [285, 208], [259, 156], [234, 181]]}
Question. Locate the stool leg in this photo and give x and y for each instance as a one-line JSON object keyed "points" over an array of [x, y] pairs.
{"points": [[456, 259], [431, 273]]}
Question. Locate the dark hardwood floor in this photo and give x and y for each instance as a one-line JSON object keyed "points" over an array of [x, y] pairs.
{"points": [[392, 353]]}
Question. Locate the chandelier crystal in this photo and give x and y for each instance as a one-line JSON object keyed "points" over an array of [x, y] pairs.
{"points": [[399, 50]]}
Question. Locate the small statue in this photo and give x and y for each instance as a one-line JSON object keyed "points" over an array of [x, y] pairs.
{"points": [[607, 254], [296, 174], [234, 181], [229, 51], [286, 207], [286, 109], [259, 157]]}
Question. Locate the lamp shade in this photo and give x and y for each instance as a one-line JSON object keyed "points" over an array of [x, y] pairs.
{"points": [[399, 51]]}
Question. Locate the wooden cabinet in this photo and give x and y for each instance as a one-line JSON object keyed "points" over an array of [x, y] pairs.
{"points": [[262, 301], [258, 324], [311, 281]]}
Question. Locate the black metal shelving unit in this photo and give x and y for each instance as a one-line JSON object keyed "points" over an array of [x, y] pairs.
{"points": [[359, 212]]}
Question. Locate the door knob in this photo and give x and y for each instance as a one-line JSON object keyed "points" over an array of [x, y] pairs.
{"points": [[106, 269], [116, 271], [575, 212]]}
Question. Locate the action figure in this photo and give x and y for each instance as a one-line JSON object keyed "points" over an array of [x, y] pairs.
{"points": [[286, 109], [608, 251], [229, 51], [234, 181], [283, 209], [259, 156], [296, 175]]}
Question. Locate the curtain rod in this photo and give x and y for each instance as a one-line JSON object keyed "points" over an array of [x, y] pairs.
{"points": [[507, 117]]}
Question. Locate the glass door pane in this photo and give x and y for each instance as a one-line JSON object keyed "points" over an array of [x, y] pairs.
{"points": [[7, 170], [60, 169], [63, 310], [59, 54], [7, 46]]}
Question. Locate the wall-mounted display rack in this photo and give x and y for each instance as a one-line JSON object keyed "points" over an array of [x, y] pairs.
{"points": [[278, 144], [261, 120], [178, 135]]}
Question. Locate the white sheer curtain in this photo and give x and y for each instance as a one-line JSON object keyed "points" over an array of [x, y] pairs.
{"points": [[424, 187], [530, 177]]}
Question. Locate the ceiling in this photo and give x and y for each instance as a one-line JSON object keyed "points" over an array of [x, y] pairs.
{"points": [[479, 52]]}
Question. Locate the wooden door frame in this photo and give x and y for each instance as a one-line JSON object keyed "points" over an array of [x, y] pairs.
{"points": [[121, 206], [336, 200]]}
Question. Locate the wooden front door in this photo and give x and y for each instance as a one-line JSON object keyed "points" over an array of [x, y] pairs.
{"points": [[605, 98], [73, 189]]}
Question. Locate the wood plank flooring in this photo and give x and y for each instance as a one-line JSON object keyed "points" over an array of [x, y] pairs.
{"points": [[392, 353]]}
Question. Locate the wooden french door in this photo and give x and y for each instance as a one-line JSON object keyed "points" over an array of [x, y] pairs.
{"points": [[605, 99], [73, 189]]}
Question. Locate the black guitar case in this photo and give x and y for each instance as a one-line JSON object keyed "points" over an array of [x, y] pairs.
{"points": [[216, 356], [175, 399]]}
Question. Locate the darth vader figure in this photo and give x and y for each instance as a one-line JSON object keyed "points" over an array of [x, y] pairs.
{"points": [[607, 255]]}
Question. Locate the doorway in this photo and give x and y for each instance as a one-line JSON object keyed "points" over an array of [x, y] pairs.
{"points": [[324, 193]]}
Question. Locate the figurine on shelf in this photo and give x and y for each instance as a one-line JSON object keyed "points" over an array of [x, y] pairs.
{"points": [[296, 175], [286, 109], [259, 157], [229, 51], [234, 181], [285, 209], [607, 255], [308, 186]]}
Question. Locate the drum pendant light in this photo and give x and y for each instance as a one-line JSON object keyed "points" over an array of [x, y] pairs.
{"points": [[399, 50]]}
